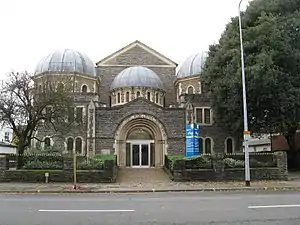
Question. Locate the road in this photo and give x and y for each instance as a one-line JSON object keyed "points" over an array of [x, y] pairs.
{"points": [[152, 208]]}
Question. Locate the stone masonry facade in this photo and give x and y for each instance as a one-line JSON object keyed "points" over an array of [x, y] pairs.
{"points": [[100, 129]]}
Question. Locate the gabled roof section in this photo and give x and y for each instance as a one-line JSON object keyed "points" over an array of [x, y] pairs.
{"points": [[165, 60]]}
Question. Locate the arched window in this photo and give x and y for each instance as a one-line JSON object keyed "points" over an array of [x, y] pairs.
{"points": [[156, 98], [84, 89], [138, 94], [229, 145], [208, 145], [127, 96], [78, 145], [201, 146], [70, 144], [148, 96], [47, 142], [40, 88], [118, 98], [190, 90]]}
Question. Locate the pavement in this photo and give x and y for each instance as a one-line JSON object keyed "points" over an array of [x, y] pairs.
{"points": [[152, 180], [149, 187], [152, 208]]}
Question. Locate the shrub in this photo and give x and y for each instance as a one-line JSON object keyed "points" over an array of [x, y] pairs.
{"points": [[199, 162], [254, 163], [103, 158], [194, 162], [233, 163], [43, 158], [90, 165], [39, 165]]}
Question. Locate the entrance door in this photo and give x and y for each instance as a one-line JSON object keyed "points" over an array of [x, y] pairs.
{"points": [[140, 155], [135, 155]]}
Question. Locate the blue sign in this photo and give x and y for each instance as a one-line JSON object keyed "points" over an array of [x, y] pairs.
{"points": [[189, 134], [192, 140]]}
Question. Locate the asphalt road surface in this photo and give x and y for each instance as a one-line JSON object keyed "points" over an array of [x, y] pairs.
{"points": [[152, 208]]}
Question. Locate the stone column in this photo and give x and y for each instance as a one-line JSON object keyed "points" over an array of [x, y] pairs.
{"points": [[281, 162], [121, 152], [159, 153], [218, 165], [4, 165]]}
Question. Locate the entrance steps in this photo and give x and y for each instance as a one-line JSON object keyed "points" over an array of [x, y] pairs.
{"points": [[142, 176]]}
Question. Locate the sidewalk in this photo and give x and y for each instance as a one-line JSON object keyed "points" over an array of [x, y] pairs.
{"points": [[293, 185]]}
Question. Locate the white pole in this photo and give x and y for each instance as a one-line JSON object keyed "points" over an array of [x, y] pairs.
{"points": [[246, 132]]}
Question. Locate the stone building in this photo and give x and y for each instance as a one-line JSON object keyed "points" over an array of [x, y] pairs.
{"points": [[134, 104]]}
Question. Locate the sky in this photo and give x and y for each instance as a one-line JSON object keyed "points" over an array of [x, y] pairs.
{"points": [[32, 29]]}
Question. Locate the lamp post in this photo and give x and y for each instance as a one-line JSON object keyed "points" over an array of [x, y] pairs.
{"points": [[246, 132]]}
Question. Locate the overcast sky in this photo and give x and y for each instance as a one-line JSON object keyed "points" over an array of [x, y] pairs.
{"points": [[31, 29]]}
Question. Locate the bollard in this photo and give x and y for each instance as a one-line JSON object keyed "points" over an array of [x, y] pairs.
{"points": [[47, 178]]}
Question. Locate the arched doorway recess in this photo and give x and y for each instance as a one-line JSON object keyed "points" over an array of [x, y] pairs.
{"points": [[140, 142]]}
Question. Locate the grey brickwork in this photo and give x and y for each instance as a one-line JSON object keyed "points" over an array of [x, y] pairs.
{"points": [[216, 131], [99, 131], [108, 119]]}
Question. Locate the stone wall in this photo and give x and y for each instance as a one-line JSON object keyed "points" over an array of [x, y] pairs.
{"points": [[83, 176], [219, 172], [216, 131], [107, 175], [108, 120]]}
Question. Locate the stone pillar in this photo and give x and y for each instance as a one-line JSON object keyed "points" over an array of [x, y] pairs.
{"points": [[218, 165], [122, 96], [281, 162], [132, 94], [121, 152], [4, 165]]}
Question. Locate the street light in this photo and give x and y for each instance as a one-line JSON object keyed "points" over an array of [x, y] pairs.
{"points": [[246, 132]]}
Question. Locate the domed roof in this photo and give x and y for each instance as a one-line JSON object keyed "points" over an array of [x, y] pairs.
{"points": [[192, 65], [66, 61], [137, 76]]}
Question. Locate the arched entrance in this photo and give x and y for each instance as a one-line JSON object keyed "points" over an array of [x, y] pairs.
{"points": [[140, 142], [140, 149]]}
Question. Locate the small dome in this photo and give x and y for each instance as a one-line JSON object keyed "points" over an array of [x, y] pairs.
{"points": [[66, 61], [137, 76], [193, 65]]}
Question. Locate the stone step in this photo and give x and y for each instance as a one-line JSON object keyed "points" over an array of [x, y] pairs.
{"points": [[147, 175]]}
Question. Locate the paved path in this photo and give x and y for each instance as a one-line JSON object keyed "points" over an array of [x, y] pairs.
{"points": [[152, 208], [150, 180], [129, 176]]}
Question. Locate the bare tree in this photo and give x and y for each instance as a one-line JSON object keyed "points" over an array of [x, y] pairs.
{"points": [[27, 103]]}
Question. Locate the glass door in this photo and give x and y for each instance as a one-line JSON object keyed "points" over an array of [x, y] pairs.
{"points": [[144, 155], [140, 156], [135, 155]]}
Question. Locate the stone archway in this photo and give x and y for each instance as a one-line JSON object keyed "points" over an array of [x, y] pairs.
{"points": [[157, 139]]}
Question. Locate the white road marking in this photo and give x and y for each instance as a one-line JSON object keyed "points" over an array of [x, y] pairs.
{"points": [[272, 206], [86, 210]]}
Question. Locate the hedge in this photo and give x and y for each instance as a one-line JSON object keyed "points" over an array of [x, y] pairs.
{"points": [[55, 161], [177, 162], [205, 161]]}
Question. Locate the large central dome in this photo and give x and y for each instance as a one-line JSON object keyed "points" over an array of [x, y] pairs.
{"points": [[137, 76], [66, 61]]}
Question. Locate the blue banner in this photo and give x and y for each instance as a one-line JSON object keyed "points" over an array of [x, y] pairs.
{"points": [[189, 140], [192, 140]]}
